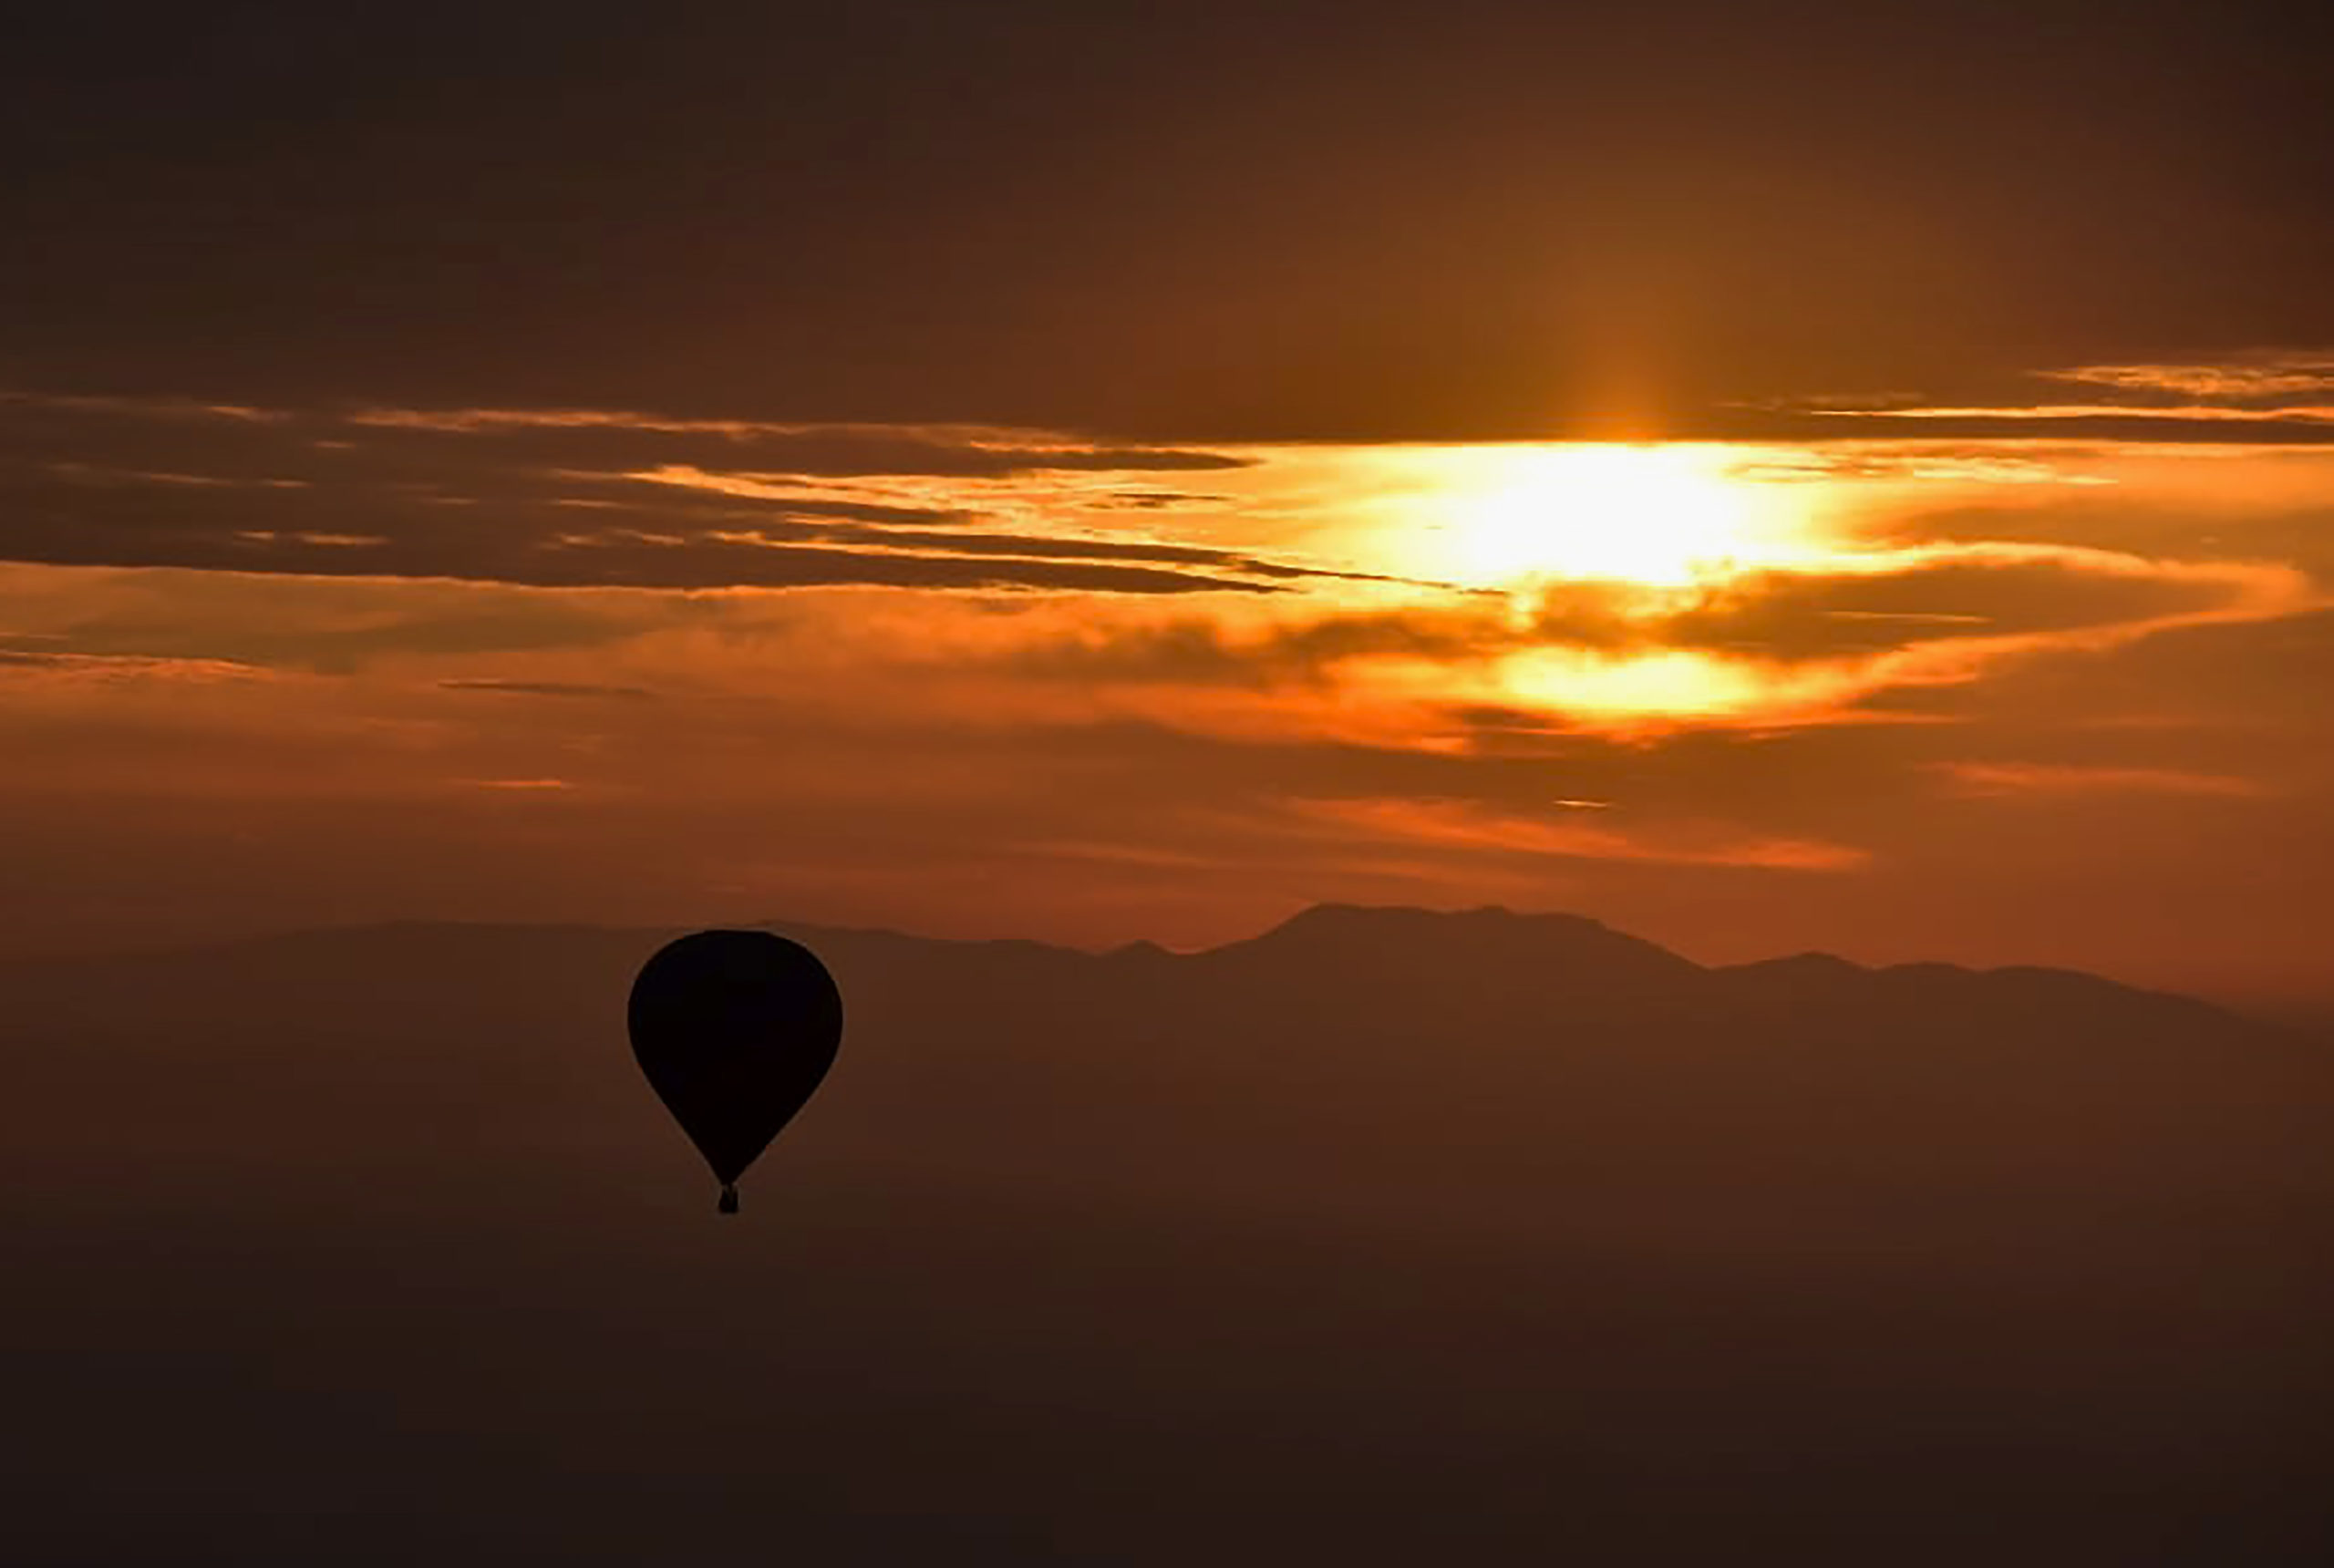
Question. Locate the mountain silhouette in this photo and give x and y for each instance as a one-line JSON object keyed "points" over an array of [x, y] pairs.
{"points": [[1384, 1235]]}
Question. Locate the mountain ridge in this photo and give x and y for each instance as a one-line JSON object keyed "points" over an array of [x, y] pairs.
{"points": [[1436, 946]]}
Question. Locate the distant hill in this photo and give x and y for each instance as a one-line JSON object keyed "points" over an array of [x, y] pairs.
{"points": [[1382, 1236], [1465, 1034]]}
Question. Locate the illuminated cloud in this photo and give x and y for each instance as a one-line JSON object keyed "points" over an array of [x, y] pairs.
{"points": [[1647, 591], [1463, 825], [1937, 461], [114, 668], [503, 495], [2069, 413], [2056, 779], [142, 408], [1767, 649], [420, 442], [2268, 398], [1264, 691], [2282, 374]]}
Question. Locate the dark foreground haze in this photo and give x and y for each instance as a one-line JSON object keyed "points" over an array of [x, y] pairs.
{"points": [[1383, 1238]]}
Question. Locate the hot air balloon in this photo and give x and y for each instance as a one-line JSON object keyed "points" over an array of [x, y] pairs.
{"points": [[734, 1029]]}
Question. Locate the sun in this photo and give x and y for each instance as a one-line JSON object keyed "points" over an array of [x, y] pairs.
{"points": [[1663, 517]]}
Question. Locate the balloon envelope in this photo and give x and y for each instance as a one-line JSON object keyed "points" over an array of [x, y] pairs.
{"points": [[734, 1029]]}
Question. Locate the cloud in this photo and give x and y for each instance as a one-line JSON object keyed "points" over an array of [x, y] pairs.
{"points": [[2269, 397], [420, 439], [550, 688], [165, 407], [872, 447], [1987, 592], [1468, 826], [2080, 413], [2269, 375], [1262, 623], [498, 495], [1828, 643], [2058, 779], [115, 667], [1954, 462]]}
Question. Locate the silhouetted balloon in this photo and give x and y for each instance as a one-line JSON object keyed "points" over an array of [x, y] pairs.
{"points": [[735, 1029]]}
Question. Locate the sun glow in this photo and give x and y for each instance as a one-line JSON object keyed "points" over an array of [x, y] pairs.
{"points": [[1665, 687], [1662, 517]]}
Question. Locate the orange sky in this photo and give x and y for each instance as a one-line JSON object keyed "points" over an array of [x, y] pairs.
{"points": [[1897, 689], [1097, 471]]}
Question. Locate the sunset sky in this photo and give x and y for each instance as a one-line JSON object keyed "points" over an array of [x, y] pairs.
{"points": [[1770, 478]]}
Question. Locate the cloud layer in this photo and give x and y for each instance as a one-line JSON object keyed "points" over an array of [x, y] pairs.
{"points": [[564, 498], [289, 666]]}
